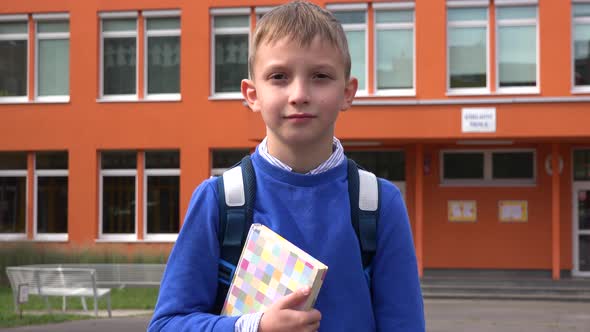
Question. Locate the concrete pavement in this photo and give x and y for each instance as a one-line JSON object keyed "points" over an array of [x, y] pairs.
{"points": [[441, 316]]}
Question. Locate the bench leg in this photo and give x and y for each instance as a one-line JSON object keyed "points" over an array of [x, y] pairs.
{"points": [[46, 299], [95, 306], [109, 304], [83, 300]]}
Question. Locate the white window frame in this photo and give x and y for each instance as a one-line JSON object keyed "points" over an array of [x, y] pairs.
{"points": [[216, 12], [468, 24], [17, 36], [128, 237], [160, 237], [58, 237], [394, 26], [118, 34], [158, 33], [517, 23], [42, 18], [487, 180], [17, 173], [576, 232], [356, 7], [575, 21]]}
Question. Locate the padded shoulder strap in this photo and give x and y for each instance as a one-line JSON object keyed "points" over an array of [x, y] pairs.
{"points": [[363, 192], [236, 188]]}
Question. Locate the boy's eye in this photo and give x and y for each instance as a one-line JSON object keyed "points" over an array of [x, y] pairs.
{"points": [[321, 76], [278, 76]]}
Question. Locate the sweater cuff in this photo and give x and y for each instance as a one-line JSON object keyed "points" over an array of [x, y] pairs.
{"points": [[248, 322]]}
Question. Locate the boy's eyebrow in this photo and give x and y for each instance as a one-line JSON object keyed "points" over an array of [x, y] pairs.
{"points": [[281, 65]]}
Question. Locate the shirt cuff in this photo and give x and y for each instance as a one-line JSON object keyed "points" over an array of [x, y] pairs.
{"points": [[248, 322]]}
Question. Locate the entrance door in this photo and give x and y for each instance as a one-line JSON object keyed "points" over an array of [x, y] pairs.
{"points": [[581, 228]]}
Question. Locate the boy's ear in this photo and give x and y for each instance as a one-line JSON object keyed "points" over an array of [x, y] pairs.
{"points": [[349, 93], [249, 92]]}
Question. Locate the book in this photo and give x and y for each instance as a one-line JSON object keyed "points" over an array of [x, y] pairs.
{"points": [[269, 268]]}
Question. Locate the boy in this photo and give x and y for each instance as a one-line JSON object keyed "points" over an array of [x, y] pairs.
{"points": [[299, 82]]}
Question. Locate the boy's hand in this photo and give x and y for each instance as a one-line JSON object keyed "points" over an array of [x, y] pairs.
{"points": [[283, 315]]}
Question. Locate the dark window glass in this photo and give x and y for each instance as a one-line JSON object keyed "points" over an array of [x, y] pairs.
{"points": [[463, 165], [118, 204], [385, 164], [163, 64], [52, 204], [228, 158], [119, 160], [231, 62], [162, 159], [51, 160], [582, 165], [12, 204], [583, 209], [163, 204], [512, 165], [13, 68], [353, 17], [119, 66], [13, 160], [584, 253]]}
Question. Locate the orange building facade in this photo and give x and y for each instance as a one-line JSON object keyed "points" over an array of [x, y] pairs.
{"points": [[112, 112]]}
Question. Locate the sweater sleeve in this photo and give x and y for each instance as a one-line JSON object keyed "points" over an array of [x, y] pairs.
{"points": [[397, 297], [189, 283]]}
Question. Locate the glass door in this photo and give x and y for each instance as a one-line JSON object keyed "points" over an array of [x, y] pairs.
{"points": [[582, 229]]}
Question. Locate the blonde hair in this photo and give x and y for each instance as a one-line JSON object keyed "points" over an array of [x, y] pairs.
{"points": [[301, 21]]}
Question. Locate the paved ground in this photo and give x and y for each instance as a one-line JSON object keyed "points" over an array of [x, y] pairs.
{"points": [[441, 316]]}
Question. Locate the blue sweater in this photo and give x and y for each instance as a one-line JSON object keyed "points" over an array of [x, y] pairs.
{"points": [[313, 212]]}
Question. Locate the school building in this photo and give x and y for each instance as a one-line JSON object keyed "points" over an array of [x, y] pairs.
{"points": [[113, 111]]}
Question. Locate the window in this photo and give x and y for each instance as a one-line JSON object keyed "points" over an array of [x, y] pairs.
{"points": [[353, 18], [13, 57], [162, 55], [394, 49], [13, 195], [501, 167], [51, 200], [581, 46], [516, 48], [53, 57], [231, 31], [118, 195], [389, 165], [119, 55], [162, 176], [582, 165], [467, 34], [221, 160]]}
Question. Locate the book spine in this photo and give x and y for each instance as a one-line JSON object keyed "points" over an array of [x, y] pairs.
{"points": [[315, 289]]}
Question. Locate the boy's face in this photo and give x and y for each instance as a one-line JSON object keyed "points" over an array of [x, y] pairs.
{"points": [[299, 91]]}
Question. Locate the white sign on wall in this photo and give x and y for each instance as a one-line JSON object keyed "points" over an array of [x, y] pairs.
{"points": [[478, 120]]}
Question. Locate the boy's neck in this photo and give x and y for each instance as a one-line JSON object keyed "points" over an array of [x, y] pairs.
{"points": [[301, 158]]}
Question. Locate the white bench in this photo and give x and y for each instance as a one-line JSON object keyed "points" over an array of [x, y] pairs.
{"points": [[121, 275], [58, 281]]}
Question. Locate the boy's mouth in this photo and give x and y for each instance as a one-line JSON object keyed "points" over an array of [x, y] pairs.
{"points": [[300, 116]]}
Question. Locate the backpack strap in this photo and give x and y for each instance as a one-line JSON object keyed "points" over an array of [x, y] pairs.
{"points": [[236, 189], [363, 192]]}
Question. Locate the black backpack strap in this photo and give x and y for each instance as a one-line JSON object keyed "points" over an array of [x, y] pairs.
{"points": [[236, 189], [363, 192]]}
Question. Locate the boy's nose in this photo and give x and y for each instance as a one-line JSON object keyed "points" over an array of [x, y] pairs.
{"points": [[299, 93]]}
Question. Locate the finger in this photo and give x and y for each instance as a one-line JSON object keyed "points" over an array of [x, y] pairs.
{"points": [[294, 299]]}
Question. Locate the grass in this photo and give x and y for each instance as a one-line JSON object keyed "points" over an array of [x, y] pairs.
{"points": [[126, 298]]}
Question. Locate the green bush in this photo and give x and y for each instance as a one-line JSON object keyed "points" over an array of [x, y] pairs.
{"points": [[26, 254]]}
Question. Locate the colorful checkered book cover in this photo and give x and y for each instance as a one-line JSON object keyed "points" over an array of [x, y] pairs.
{"points": [[269, 268]]}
